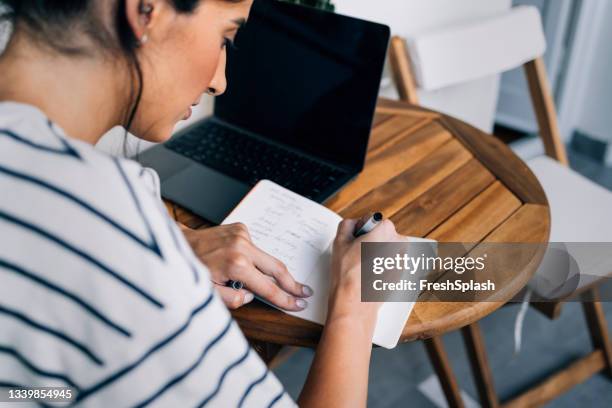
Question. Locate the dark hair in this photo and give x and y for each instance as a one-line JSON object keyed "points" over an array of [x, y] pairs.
{"points": [[53, 23]]}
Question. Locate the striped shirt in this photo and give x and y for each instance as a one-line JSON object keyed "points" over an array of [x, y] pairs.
{"points": [[100, 291]]}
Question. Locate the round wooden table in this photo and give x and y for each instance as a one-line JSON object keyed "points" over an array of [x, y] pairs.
{"points": [[435, 177]]}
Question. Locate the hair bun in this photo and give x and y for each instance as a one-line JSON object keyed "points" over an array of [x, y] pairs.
{"points": [[11, 5]]}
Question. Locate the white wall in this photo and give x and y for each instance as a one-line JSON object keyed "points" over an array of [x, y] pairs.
{"points": [[594, 108]]}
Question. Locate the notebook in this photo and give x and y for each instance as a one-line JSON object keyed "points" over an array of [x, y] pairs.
{"points": [[300, 233]]}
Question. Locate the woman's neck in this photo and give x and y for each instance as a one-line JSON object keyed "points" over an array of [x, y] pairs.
{"points": [[81, 94]]}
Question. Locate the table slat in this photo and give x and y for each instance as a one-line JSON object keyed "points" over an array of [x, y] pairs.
{"points": [[498, 158], [407, 186], [479, 217], [400, 108], [384, 165], [528, 224], [425, 213], [380, 118], [391, 128]]}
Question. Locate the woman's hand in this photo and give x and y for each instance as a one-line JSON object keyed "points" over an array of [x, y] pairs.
{"points": [[339, 373], [229, 254], [345, 287]]}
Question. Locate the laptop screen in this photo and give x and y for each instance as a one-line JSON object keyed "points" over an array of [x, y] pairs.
{"points": [[307, 79]]}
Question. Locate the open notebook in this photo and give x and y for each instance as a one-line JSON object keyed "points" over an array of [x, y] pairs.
{"points": [[300, 233]]}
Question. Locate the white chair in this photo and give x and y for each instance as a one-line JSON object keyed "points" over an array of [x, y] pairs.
{"points": [[472, 101], [580, 210]]}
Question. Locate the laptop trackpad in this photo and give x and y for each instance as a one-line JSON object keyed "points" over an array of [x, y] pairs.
{"points": [[204, 191]]}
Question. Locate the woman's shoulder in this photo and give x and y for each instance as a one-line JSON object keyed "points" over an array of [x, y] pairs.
{"points": [[69, 187], [100, 205], [35, 147]]}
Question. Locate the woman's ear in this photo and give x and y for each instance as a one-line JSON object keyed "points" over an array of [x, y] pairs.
{"points": [[141, 16]]}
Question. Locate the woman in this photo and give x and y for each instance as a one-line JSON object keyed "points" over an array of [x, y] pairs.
{"points": [[99, 290]]}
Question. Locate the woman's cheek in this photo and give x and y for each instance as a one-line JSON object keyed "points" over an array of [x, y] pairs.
{"points": [[186, 80], [203, 63]]}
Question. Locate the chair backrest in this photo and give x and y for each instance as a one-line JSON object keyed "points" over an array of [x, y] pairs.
{"points": [[466, 52], [409, 18], [459, 54]]}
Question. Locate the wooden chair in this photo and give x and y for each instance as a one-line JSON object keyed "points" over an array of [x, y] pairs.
{"points": [[428, 62]]}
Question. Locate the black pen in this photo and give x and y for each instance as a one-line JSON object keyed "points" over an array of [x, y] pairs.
{"points": [[236, 285], [368, 225]]}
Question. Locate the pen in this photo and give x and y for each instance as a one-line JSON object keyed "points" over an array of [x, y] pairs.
{"points": [[368, 225], [236, 285]]}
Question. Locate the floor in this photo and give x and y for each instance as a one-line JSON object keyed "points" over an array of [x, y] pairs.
{"points": [[547, 345]]}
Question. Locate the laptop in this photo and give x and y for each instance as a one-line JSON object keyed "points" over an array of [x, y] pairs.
{"points": [[302, 91]]}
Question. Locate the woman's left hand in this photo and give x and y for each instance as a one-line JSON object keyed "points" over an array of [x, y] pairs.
{"points": [[229, 254]]}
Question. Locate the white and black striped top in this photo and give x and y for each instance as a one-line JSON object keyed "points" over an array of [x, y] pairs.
{"points": [[100, 291]]}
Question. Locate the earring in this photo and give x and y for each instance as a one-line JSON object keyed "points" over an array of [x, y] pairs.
{"points": [[211, 91], [145, 8]]}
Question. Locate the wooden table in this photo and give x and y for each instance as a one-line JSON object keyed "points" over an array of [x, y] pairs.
{"points": [[435, 177]]}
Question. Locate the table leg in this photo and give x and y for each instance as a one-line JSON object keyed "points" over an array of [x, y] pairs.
{"points": [[477, 355], [598, 328], [442, 367], [267, 351]]}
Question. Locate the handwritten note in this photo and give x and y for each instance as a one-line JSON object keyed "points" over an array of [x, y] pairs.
{"points": [[299, 232], [292, 228]]}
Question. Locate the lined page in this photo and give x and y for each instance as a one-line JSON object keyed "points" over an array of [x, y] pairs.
{"points": [[300, 233], [292, 228]]}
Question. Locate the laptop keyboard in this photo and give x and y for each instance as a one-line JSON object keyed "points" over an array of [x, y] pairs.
{"points": [[250, 160]]}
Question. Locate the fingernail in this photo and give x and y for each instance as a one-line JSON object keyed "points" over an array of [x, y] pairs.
{"points": [[301, 303], [307, 291], [248, 298]]}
